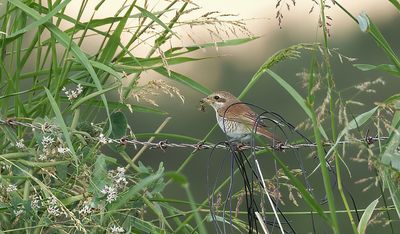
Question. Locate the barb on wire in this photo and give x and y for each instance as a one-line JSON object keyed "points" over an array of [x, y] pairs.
{"points": [[201, 145]]}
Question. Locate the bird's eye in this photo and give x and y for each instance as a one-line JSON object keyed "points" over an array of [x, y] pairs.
{"points": [[216, 97]]}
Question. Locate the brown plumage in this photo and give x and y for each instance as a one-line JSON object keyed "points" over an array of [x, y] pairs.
{"points": [[236, 119]]}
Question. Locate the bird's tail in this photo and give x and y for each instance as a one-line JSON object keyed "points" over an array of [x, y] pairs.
{"points": [[269, 135]]}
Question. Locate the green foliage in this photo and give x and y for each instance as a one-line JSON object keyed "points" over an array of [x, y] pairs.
{"points": [[56, 175], [362, 226]]}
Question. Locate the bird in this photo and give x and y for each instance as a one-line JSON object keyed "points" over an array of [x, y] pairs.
{"points": [[236, 119]]}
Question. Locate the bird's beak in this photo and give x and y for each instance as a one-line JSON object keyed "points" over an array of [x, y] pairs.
{"points": [[205, 100], [202, 102]]}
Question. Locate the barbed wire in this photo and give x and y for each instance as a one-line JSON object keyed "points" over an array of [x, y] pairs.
{"points": [[202, 145]]}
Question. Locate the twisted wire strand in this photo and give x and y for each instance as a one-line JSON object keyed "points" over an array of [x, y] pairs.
{"points": [[164, 144]]}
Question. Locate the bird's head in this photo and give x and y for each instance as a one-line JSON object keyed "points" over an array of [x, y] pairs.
{"points": [[219, 99]]}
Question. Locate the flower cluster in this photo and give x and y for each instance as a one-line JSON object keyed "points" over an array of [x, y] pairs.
{"points": [[63, 150], [103, 139], [47, 141], [36, 201], [73, 93], [111, 192], [116, 229], [19, 211], [11, 188], [52, 147], [20, 144], [118, 177], [119, 182], [86, 208], [53, 208]]}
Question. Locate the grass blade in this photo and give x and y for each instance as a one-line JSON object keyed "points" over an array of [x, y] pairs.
{"points": [[184, 80], [67, 43], [61, 123], [362, 226], [93, 95], [382, 67], [297, 97]]}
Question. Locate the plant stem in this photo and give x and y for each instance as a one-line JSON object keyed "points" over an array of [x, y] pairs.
{"points": [[325, 173]]}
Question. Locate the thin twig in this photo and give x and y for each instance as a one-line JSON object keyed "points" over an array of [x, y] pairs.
{"points": [[269, 199], [141, 151], [263, 226]]}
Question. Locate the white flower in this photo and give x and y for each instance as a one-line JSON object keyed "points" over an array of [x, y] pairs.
{"points": [[35, 203], [63, 150], [53, 208], [111, 193], [73, 94], [103, 139], [20, 144], [47, 141], [119, 177], [42, 157], [11, 188], [79, 89], [86, 209], [19, 211], [116, 229]]}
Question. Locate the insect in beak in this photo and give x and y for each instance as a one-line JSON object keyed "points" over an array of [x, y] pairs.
{"points": [[202, 106]]}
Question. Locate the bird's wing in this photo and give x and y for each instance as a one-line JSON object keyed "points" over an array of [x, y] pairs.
{"points": [[240, 112]]}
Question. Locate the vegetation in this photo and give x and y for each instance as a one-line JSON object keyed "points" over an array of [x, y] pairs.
{"points": [[65, 161]]}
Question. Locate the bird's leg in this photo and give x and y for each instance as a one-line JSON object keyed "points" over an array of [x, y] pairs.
{"points": [[235, 145], [278, 146]]}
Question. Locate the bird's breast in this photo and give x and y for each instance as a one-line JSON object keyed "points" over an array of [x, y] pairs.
{"points": [[233, 129]]}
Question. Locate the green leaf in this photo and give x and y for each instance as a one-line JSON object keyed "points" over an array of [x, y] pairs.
{"points": [[131, 65], [140, 226], [119, 125], [16, 155], [379, 39], [391, 155], [132, 192], [393, 187], [93, 95], [61, 123], [382, 67], [99, 177], [154, 18], [183, 50], [118, 105], [222, 220], [357, 122], [396, 4], [114, 40], [177, 177], [362, 226], [302, 190], [145, 109], [65, 40], [42, 20], [105, 68], [19, 93], [392, 99], [183, 80]]}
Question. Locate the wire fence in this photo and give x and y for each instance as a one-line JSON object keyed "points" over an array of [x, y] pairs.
{"points": [[201, 145]]}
